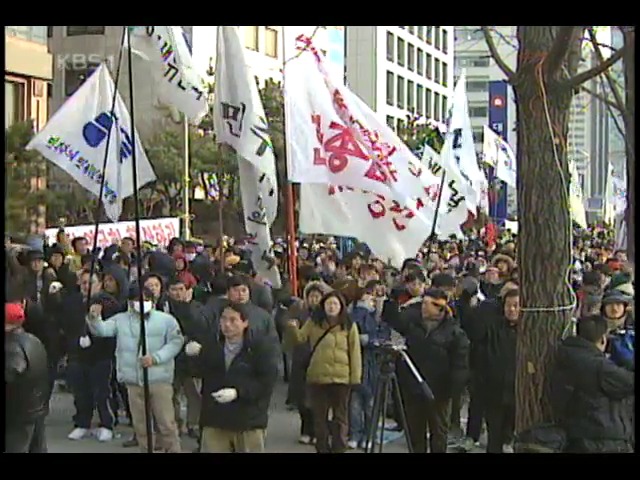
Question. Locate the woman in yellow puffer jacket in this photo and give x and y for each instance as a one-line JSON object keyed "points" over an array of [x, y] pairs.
{"points": [[335, 365]]}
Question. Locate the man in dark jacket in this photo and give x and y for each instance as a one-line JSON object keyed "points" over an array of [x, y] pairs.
{"points": [[26, 377], [90, 358], [261, 294], [592, 396], [440, 351], [239, 372], [498, 372]]}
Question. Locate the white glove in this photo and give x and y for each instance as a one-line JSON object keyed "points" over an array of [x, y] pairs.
{"points": [[226, 395], [55, 287], [192, 349], [85, 342], [364, 339]]}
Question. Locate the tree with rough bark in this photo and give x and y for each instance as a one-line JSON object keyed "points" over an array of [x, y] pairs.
{"points": [[544, 83]]}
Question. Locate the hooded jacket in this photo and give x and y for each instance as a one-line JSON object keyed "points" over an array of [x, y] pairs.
{"points": [[121, 278], [185, 274], [162, 264]]}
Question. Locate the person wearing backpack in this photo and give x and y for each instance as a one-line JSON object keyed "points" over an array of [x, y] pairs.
{"points": [[592, 397]]}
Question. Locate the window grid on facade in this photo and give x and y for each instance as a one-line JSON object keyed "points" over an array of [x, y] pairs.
{"points": [[429, 66], [82, 30], [445, 74], [271, 42], [400, 91], [477, 86], [445, 41], [420, 100], [436, 107], [401, 52], [412, 30], [430, 35], [436, 34], [14, 100], [251, 38], [411, 58], [445, 111], [420, 62], [400, 125], [74, 78], [437, 71], [427, 103], [421, 33], [478, 112], [390, 88], [391, 43], [391, 122], [411, 101]]}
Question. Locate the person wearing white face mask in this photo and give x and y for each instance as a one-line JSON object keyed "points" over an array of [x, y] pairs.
{"points": [[164, 343]]}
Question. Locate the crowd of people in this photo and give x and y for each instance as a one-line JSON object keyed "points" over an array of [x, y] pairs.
{"points": [[219, 336]]}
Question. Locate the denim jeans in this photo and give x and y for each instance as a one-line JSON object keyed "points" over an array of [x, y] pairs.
{"points": [[91, 388], [360, 406]]}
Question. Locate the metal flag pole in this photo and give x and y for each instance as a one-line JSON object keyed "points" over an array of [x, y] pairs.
{"points": [[103, 180], [187, 182], [136, 200]]}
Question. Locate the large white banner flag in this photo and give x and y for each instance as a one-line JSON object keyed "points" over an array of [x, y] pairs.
{"points": [[459, 153], [75, 139], [168, 56], [240, 122], [498, 153]]}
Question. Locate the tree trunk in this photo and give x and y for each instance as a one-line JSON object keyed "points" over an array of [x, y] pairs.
{"points": [[544, 221], [630, 131]]}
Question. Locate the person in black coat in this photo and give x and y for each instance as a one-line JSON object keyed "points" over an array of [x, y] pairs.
{"points": [[497, 372], [439, 349], [239, 372], [592, 397], [27, 379]]}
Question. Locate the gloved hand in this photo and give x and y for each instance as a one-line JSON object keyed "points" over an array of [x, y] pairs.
{"points": [[623, 348], [192, 349], [364, 339], [226, 395], [85, 341], [55, 287]]}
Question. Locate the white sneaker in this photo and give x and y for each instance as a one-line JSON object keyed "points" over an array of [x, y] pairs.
{"points": [[78, 434], [304, 439], [507, 449], [104, 435], [352, 444]]}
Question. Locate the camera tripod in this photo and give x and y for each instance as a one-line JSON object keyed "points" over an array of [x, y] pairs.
{"points": [[387, 383]]}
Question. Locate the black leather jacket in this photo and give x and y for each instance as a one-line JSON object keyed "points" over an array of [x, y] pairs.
{"points": [[26, 376]]}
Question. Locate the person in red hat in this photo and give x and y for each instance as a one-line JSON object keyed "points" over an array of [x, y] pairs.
{"points": [[26, 380]]}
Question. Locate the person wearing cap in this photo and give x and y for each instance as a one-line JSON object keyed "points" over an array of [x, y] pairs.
{"points": [[164, 341], [591, 396], [26, 375], [38, 281], [440, 351], [615, 310]]}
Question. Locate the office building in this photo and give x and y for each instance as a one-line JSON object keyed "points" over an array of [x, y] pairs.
{"points": [[401, 70]]}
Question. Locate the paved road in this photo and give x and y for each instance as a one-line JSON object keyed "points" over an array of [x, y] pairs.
{"points": [[282, 433]]}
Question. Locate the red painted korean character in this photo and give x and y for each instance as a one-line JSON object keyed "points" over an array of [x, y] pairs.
{"points": [[160, 237], [317, 121], [377, 209], [415, 170]]}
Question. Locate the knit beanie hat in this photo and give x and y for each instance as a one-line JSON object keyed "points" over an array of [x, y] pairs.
{"points": [[13, 314], [622, 282]]}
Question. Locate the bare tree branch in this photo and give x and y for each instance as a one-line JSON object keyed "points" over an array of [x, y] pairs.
{"points": [[617, 96], [610, 106], [600, 97], [562, 44], [510, 74], [587, 75]]}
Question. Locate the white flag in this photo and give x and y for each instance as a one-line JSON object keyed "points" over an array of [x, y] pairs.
{"points": [[75, 139], [240, 122], [168, 56], [459, 153], [576, 202], [501, 156]]}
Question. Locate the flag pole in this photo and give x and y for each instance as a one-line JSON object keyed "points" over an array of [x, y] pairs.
{"points": [[187, 182], [432, 235], [289, 196], [103, 180], [136, 200]]}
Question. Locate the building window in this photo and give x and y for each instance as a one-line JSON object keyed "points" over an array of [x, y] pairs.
{"points": [[271, 42], [421, 33], [473, 61], [465, 34], [411, 100], [390, 88], [445, 41], [477, 86], [82, 30], [391, 42], [400, 88], [391, 122], [401, 52], [73, 79], [420, 100], [429, 66], [478, 135], [436, 107], [411, 58], [412, 30], [37, 34], [427, 103], [49, 32], [437, 71], [436, 34], [445, 111], [479, 112], [420, 62], [14, 103], [430, 35], [251, 37], [400, 126], [445, 74]]}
